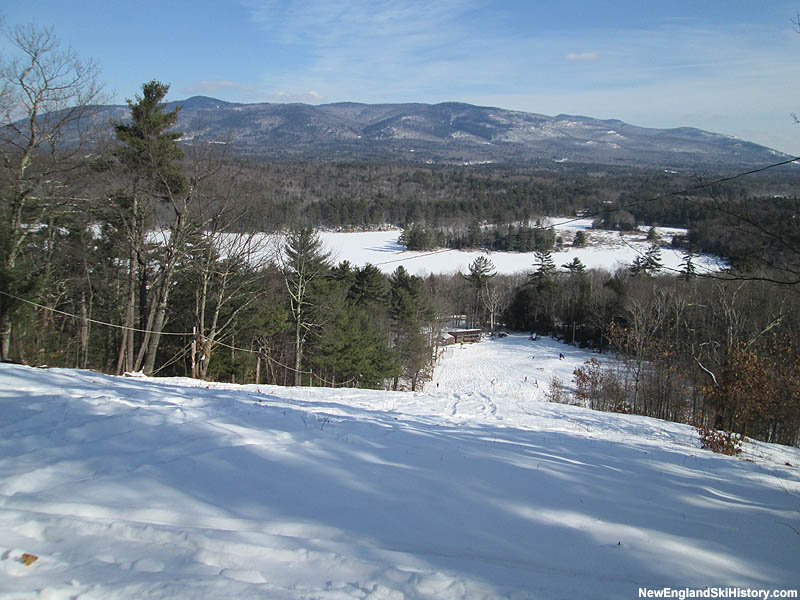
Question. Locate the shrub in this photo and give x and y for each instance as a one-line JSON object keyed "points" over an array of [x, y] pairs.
{"points": [[722, 442], [556, 392]]}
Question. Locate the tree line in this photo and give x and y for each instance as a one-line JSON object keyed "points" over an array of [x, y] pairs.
{"points": [[716, 352]]}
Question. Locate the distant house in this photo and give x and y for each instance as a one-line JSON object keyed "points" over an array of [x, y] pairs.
{"points": [[465, 335]]}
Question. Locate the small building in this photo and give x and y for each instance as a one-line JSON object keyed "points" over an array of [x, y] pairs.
{"points": [[465, 335]]}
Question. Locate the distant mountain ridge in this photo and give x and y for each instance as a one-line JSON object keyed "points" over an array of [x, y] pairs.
{"points": [[450, 133]]}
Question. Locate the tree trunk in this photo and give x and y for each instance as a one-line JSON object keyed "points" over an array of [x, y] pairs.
{"points": [[125, 359], [5, 336], [84, 334], [298, 357], [158, 324]]}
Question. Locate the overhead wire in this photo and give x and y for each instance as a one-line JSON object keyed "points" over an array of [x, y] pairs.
{"points": [[599, 212], [89, 320], [183, 351], [684, 191]]}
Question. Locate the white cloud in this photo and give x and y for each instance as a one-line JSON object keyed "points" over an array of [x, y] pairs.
{"points": [[242, 90], [309, 97], [582, 56], [387, 51]]}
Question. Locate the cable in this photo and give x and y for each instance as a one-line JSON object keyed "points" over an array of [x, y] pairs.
{"points": [[74, 316], [710, 274], [181, 352], [386, 262], [693, 188], [287, 367]]}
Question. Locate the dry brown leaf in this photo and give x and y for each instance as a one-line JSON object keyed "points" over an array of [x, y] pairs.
{"points": [[28, 559]]}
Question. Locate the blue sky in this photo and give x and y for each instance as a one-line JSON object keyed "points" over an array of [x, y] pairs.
{"points": [[725, 66]]}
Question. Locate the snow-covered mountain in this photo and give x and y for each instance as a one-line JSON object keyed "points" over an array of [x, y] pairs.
{"points": [[450, 132], [477, 488]]}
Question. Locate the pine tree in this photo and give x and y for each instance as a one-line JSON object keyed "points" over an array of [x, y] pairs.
{"points": [[688, 270], [653, 258], [481, 271], [409, 311], [304, 263], [545, 267], [151, 156], [475, 237], [575, 266], [150, 149], [369, 286], [647, 264], [351, 350]]}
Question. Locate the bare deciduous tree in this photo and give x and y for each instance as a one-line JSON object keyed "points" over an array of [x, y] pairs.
{"points": [[47, 95]]}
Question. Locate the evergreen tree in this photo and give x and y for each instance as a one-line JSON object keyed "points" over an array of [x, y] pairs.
{"points": [[304, 264], [416, 237], [475, 237], [575, 266], [545, 267], [540, 303], [150, 149], [409, 311], [653, 258], [511, 243], [648, 263], [151, 156], [688, 270], [344, 273], [481, 271], [369, 286], [544, 239], [351, 350], [580, 239]]}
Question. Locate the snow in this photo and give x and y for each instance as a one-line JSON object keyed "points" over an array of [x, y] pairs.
{"points": [[606, 250], [515, 368], [476, 488]]}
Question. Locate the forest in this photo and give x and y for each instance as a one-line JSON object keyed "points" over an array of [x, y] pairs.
{"points": [[142, 252]]}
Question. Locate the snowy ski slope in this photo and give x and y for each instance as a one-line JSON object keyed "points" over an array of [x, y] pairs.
{"points": [[177, 489]]}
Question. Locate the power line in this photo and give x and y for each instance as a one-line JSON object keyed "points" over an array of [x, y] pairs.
{"points": [[599, 212], [442, 251], [184, 350], [687, 190], [105, 323], [287, 367]]}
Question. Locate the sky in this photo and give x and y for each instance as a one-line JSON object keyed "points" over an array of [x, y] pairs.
{"points": [[724, 66]]}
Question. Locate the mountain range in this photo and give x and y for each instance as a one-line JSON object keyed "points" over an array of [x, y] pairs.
{"points": [[450, 133]]}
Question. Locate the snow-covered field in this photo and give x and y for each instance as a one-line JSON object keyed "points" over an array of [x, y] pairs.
{"points": [[606, 250], [475, 488]]}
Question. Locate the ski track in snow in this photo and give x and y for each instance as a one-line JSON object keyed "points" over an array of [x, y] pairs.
{"points": [[476, 487]]}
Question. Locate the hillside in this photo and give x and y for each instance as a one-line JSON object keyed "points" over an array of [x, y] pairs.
{"points": [[449, 133], [176, 488]]}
